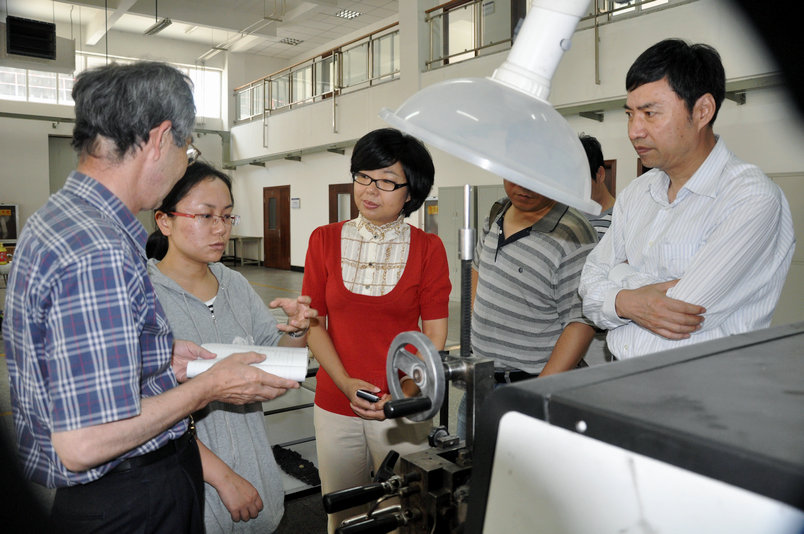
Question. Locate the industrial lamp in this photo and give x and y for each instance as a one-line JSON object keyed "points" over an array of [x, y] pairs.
{"points": [[158, 25], [504, 124]]}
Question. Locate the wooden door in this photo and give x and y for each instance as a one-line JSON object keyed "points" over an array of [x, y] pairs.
{"points": [[276, 226], [339, 196]]}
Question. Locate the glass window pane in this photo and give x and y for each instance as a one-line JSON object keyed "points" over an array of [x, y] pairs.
{"points": [[12, 83], [386, 55], [344, 207], [41, 86], [303, 84], [461, 32], [243, 102], [280, 96], [437, 39], [272, 215], [66, 82], [495, 22], [206, 91], [324, 75], [257, 100], [355, 65]]}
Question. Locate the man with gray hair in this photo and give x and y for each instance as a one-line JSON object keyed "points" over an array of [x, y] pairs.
{"points": [[97, 408]]}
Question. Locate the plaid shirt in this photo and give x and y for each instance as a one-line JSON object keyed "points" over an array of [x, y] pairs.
{"points": [[85, 337]]}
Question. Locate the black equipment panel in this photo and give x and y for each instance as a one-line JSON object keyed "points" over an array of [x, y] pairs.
{"points": [[730, 409]]}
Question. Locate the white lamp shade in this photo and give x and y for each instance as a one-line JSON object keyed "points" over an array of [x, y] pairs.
{"points": [[503, 124], [505, 131]]}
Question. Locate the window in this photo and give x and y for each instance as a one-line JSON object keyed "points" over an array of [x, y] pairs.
{"points": [[207, 91], [303, 84], [13, 83], [280, 91], [56, 88], [325, 75], [386, 55], [42, 86], [355, 65]]}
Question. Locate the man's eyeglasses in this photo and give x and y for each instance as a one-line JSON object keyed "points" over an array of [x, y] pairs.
{"points": [[192, 154], [382, 185], [207, 219]]}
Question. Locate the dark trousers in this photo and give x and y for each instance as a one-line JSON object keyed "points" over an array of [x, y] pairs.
{"points": [[165, 496]]}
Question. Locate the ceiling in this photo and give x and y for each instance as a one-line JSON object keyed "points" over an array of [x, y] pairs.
{"points": [[281, 29]]}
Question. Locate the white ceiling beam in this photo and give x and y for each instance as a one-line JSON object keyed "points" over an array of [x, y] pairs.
{"points": [[96, 28]]}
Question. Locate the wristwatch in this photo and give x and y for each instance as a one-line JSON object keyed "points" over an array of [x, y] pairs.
{"points": [[298, 333]]}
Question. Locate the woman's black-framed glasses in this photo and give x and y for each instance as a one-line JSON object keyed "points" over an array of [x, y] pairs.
{"points": [[382, 185]]}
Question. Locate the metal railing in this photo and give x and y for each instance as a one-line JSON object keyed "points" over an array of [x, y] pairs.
{"points": [[362, 62], [464, 29]]}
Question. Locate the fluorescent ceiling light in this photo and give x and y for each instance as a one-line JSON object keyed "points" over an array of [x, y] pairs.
{"points": [[504, 123], [347, 14], [158, 26]]}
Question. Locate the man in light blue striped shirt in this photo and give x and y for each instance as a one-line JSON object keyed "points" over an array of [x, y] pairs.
{"points": [[699, 247]]}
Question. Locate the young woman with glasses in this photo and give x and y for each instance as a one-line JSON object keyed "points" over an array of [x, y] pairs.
{"points": [[207, 302], [370, 279]]}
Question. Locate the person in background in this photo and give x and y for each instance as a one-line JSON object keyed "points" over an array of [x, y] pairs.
{"points": [[598, 353], [700, 245], [371, 278], [526, 309], [206, 302], [97, 408], [600, 193]]}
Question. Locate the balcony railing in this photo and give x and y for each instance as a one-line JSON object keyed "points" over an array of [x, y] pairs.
{"points": [[362, 62]]}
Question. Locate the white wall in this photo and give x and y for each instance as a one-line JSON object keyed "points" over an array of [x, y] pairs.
{"points": [[763, 131]]}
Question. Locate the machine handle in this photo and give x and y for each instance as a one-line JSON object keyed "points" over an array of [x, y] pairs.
{"points": [[408, 406], [347, 498], [375, 525]]}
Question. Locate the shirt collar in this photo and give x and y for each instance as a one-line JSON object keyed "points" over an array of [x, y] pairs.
{"points": [[372, 232], [547, 223], [703, 182], [98, 196]]}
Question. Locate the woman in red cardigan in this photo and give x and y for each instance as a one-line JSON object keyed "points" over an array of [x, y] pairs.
{"points": [[370, 279]]}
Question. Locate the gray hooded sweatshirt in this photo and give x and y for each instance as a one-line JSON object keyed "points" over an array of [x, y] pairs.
{"points": [[235, 433]]}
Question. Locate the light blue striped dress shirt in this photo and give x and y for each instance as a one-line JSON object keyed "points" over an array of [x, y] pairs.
{"points": [[728, 237]]}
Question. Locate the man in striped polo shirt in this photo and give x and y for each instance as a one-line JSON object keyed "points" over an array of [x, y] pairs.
{"points": [[527, 311], [699, 246]]}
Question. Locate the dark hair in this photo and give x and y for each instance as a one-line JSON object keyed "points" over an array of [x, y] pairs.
{"points": [[691, 71], [594, 153], [157, 245], [124, 102], [384, 147]]}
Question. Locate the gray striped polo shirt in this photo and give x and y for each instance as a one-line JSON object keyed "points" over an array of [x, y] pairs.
{"points": [[527, 289]]}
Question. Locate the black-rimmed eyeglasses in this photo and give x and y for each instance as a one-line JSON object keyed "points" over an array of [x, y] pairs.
{"points": [[382, 185]]}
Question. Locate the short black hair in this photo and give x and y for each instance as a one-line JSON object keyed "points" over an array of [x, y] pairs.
{"points": [[691, 71], [124, 102], [157, 245], [594, 153], [384, 147]]}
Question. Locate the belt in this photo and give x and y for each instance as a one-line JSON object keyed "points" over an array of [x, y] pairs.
{"points": [[165, 451], [508, 377]]}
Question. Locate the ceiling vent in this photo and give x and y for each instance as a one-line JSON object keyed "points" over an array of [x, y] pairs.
{"points": [[347, 14], [290, 41]]}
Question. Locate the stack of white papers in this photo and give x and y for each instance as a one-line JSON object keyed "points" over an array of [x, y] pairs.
{"points": [[287, 362]]}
